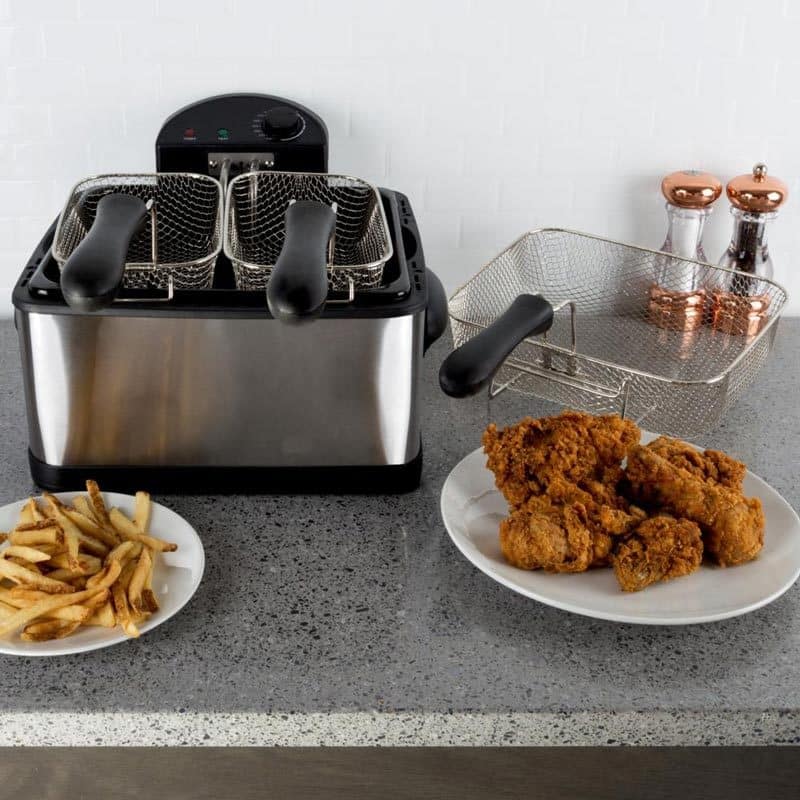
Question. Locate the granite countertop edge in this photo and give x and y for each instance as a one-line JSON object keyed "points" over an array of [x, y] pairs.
{"points": [[399, 729]]}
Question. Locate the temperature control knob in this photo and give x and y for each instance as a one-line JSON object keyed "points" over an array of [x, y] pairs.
{"points": [[281, 123]]}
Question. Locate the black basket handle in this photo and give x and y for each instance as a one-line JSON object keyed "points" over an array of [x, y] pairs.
{"points": [[469, 368], [298, 286], [92, 274]]}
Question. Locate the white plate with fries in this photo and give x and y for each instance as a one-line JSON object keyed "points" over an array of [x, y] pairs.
{"points": [[81, 571]]}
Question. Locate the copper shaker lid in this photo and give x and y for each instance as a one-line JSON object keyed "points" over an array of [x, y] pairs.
{"points": [[758, 192], [691, 188]]}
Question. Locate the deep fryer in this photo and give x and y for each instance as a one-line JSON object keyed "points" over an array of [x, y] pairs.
{"points": [[139, 380]]}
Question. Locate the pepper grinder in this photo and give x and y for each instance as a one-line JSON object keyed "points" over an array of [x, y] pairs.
{"points": [[678, 297], [737, 306]]}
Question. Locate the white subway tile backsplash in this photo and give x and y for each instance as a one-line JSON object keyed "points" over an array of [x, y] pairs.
{"points": [[494, 116], [48, 82], [40, 10], [118, 9], [97, 42]]}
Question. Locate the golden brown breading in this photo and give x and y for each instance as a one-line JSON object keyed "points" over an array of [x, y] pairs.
{"points": [[659, 549], [555, 538], [711, 466], [578, 448], [732, 525]]}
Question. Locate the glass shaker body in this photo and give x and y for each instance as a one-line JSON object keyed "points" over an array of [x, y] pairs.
{"points": [[684, 240], [748, 250]]}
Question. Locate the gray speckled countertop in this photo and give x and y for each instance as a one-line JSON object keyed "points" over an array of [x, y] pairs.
{"points": [[354, 620]]}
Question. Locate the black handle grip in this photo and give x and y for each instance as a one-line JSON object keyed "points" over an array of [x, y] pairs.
{"points": [[469, 368], [298, 286], [92, 275], [435, 311]]}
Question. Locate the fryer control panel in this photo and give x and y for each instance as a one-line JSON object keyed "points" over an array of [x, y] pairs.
{"points": [[272, 132]]}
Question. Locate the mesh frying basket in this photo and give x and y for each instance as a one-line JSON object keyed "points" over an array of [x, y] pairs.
{"points": [[187, 211], [603, 354], [254, 226]]}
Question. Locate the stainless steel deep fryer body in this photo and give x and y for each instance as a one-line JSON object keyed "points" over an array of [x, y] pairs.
{"points": [[166, 390]]}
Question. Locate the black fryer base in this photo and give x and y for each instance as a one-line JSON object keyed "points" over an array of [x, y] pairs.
{"points": [[390, 479]]}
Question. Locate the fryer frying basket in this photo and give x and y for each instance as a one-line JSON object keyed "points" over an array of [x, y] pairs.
{"points": [[180, 241], [254, 226], [602, 354]]}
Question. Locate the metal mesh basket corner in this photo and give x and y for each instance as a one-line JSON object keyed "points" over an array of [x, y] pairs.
{"points": [[187, 210], [254, 226], [603, 353]]}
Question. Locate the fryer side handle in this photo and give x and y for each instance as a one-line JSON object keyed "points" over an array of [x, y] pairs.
{"points": [[92, 274], [435, 310], [298, 286], [469, 368]]}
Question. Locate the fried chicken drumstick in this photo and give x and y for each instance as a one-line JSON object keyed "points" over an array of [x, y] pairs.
{"points": [[732, 525]]}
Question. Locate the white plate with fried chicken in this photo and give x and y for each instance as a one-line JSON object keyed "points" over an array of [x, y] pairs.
{"points": [[80, 572], [593, 516]]}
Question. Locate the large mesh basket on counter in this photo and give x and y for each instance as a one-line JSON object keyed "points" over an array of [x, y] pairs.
{"points": [[604, 352]]}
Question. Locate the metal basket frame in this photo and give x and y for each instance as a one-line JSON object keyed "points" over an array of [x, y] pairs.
{"points": [[186, 273], [254, 275], [543, 368]]}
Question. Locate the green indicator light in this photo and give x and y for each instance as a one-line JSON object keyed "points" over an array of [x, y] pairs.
{"points": [[223, 133]]}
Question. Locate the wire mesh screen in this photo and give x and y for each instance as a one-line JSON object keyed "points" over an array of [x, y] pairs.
{"points": [[257, 203], [188, 214], [672, 381]]}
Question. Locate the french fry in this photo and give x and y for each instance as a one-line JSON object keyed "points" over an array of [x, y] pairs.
{"points": [[87, 565], [25, 598], [98, 505], [104, 616], [105, 578], [51, 549], [6, 610], [91, 545], [138, 578], [83, 505], [149, 600], [91, 529], [47, 630], [43, 607], [127, 529], [123, 611], [66, 575], [28, 553], [26, 514], [126, 575], [141, 511], [8, 569], [124, 552], [25, 564], [72, 532], [44, 532]]}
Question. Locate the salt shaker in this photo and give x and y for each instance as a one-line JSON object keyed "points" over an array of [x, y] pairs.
{"points": [[678, 298], [737, 306]]}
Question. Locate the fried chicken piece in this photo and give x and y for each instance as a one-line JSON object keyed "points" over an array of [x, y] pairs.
{"points": [[564, 530], [606, 513], [525, 458], [661, 548], [555, 538], [732, 525], [711, 466]]}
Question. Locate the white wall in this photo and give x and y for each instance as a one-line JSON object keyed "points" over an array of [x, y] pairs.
{"points": [[494, 116]]}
